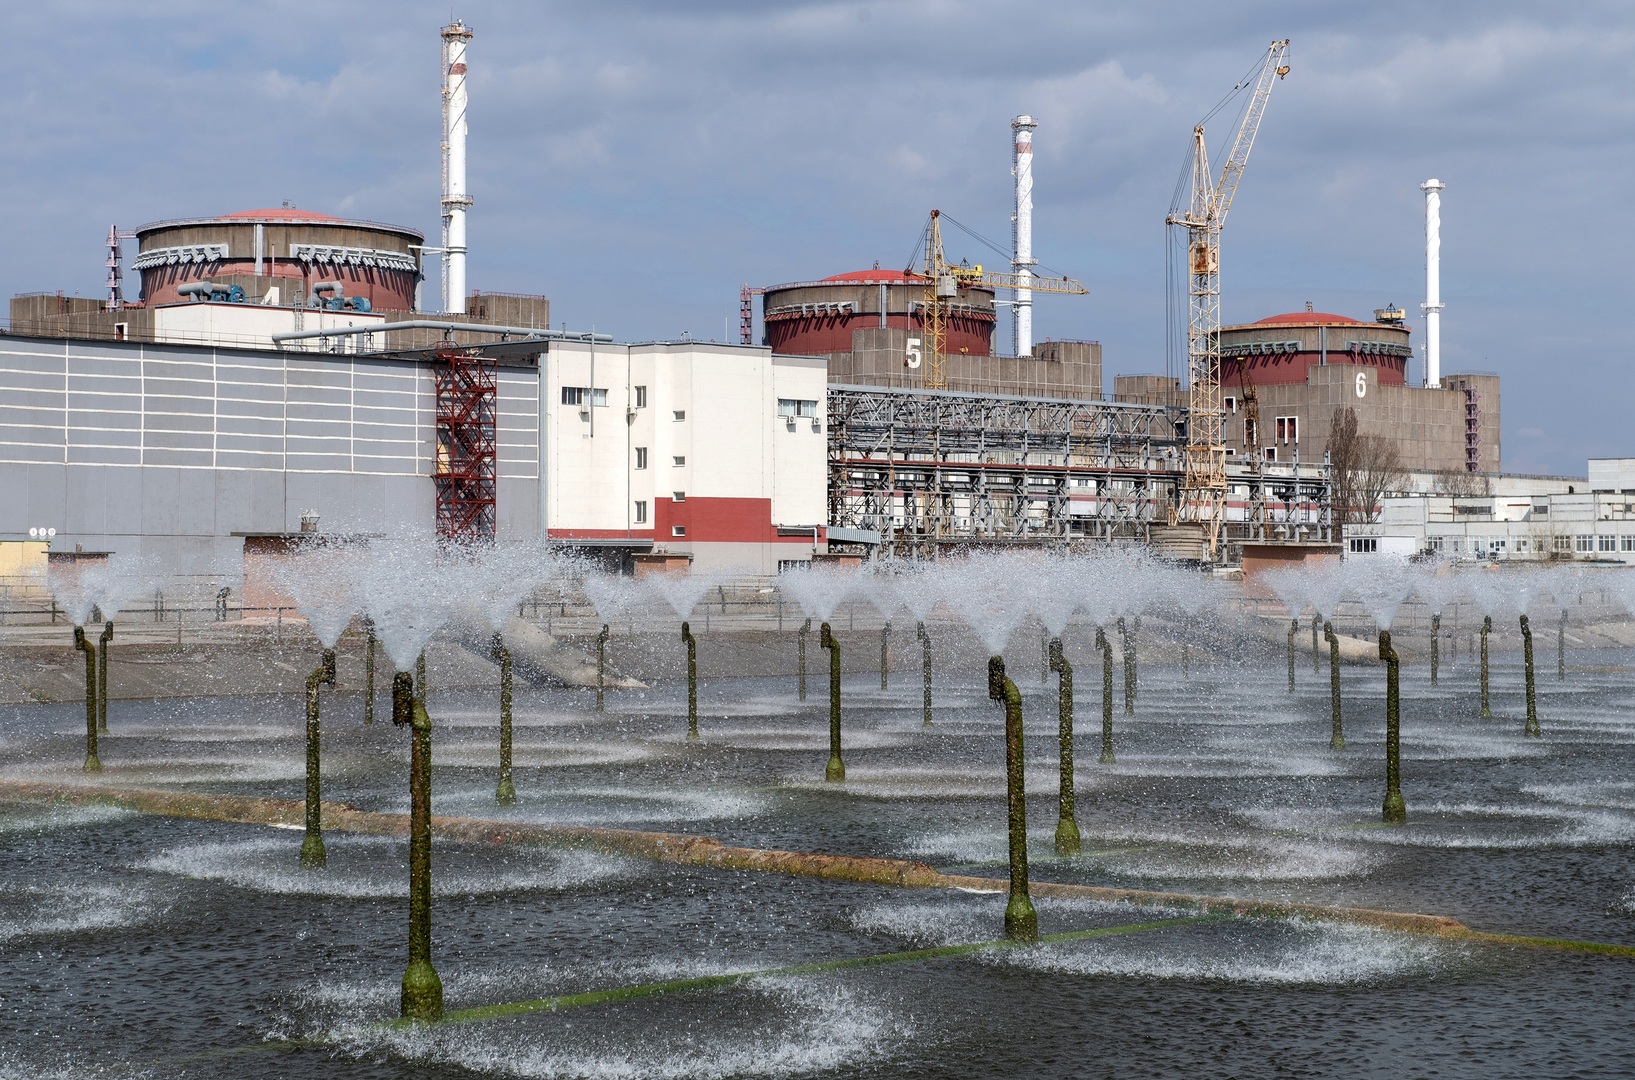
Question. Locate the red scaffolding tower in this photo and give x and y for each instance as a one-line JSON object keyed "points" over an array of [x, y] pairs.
{"points": [[465, 470]]}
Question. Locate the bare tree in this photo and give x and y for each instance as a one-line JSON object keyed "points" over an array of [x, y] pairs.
{"points": [[1364, 469], [1458, 482]]}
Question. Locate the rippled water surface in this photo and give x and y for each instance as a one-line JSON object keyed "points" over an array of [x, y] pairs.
{"points": [[136, 946]]}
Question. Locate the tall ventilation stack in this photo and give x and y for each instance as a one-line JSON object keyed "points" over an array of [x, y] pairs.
{"points": [[455, 199], [1432, 307], [1022, 234]]}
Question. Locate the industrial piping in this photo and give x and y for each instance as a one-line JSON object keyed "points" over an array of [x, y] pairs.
{"points": [[455, 199], [1023, 261], [1432, 307]]}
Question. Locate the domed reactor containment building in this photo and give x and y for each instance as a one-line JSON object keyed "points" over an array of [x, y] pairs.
{"points": [[870, 326], [377, 266]]}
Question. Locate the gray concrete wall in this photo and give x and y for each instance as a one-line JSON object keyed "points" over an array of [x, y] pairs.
{"points": [[1058, 369]]}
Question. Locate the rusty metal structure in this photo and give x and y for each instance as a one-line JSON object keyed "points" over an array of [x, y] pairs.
{"points": [[927, 469], [465, 475]]}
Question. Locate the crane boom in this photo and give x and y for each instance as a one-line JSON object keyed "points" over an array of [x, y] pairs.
{"points": [[1203, 487]]}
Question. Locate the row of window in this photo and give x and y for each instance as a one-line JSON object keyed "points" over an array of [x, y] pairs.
{"points": [[679, 460], [1286, 430], [1581, 544], [802, 408], [641, 515]]}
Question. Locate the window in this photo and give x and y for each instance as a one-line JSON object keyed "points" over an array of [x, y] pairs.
{"points": [[681, 414], [678, 496], [1583, 543], [678, 530], [1561, 543], [641, 397], [1364, 545], [797, 407], [1606, 543], [1434, 543], [1231, 404], [1626, 543], [680, 460], [576, 395], [1500, 543], [1271, 453], [641, 457], [641, 511], [1288, 429], [1251, 433], [1521, 543]]}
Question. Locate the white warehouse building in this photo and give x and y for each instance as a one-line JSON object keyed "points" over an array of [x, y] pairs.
{"points": [[710, 453]]}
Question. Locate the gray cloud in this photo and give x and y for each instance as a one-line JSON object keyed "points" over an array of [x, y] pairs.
{"points": [[637, 161]]}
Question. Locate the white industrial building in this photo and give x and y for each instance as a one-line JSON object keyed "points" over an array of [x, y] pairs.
{"points": [[714, 453], [1551, 519]]}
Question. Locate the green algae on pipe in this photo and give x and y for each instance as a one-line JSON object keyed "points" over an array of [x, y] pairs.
{"points": [[106, 639], [601, 665], [1067, 827], [83, 644], [313, 856], [1126, 639], [1436, 633], [422, 993], [1394, 810], [925, 647], [1487, 628], [1337, 739], [692, 679], [1021, 921], [368, 671], [1531, 728], [800, 646], [506, 792], [885, 654], [1294, 628], [835, 771]]}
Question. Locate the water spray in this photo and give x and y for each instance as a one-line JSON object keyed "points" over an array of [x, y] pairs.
{"points": [[601, 665], [83, 644], [1532, 728], [312, 845], [1394, 811], [1487, 628], [106, 639], [1337, 740], [925, 648], [692, 680], [1067, 828], [800, 645], [506, 793], [1021, 921], [885, 655], [422, 995], [1106, 648], [835, 771]]}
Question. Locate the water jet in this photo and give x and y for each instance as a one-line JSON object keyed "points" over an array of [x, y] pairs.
{"points": [[885, 655], [1337, 739], [925, 649], [1106, 648], [835, 771], [506, 792], [1394, 811], [312, 845], [1487, 628], [83, 644], [1021, 921], [1294, 628], [1561, 647], [1316, 623], [601, 666], [800, 647], [368, 671], [692, 679], [1126, 639], [1531, 729], [1067, 828], [1436, 633]]}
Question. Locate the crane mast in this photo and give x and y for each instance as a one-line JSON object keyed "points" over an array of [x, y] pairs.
{"points": [[943, 282], [1203, 486]]}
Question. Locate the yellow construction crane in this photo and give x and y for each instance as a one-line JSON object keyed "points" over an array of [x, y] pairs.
{"points": [[942, 285], [1203, 488]]}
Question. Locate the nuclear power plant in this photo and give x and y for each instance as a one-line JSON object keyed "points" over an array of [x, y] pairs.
{"points": [[282, 369]]}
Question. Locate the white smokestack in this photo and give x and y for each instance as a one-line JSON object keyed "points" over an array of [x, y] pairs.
{"points": [[455, 199], [1022, 234], [1432, 307]]}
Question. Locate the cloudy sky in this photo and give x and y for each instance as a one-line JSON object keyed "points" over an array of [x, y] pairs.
{"points": [[638, 160]]}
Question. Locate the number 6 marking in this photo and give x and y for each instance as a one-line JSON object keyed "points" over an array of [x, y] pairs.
{"points": [[1362, 384]]}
